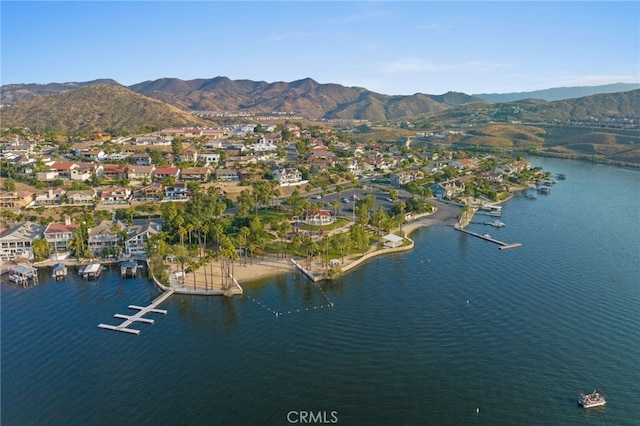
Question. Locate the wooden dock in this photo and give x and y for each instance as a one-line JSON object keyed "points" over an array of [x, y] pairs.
{"points": [[502, 245], [139, 316]]}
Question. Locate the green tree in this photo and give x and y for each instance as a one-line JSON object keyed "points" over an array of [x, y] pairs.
{"points": [[9, 185]]}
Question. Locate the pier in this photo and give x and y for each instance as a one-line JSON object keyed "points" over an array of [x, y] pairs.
{"points": [[502, 244], [139, 316]]}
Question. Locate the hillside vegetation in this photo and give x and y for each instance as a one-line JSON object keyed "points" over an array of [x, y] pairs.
{"points": [[96, 108]]}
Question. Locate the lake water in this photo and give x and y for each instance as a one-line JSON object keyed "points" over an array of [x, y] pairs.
{"points": [[422, 337]]}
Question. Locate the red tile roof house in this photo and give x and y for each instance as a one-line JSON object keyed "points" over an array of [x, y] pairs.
{"points": [[59, 234], [115, 195], [113, 171], [318, 217], [165, 172], [63, 169]]}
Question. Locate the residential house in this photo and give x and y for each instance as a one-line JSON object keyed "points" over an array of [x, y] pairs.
{"points": [[105, 236], [63, 169], [50, 197], [140, 172], [47, 176], [288, 177], [151, 192], [492, 176], [84, 197], [447, 189], [178, 191], [92, 155], [227, 175], [463, 163], [17, 241], [114, 171], [59, 235], [141, 159], [189, 155], [137, 236], [403, 177], [16, 199], [115, 195], [196, 173], [210, 158], [166, 172]]}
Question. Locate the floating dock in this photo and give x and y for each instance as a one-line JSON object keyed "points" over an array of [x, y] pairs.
{"points": [[139, 316], [502, 244]]}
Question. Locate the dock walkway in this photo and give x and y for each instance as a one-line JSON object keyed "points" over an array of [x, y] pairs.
{"points": [[502, 244], [139, 316]]}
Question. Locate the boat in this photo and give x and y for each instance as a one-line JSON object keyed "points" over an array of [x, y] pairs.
{"points": [[486, 235], [59, 271], [595, 399], [544, 189], [490, 210], [561, 176], [93, 270], [496, 223]]}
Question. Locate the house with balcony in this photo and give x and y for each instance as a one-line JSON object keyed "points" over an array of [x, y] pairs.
{"points": [[15, 199], [115, 195], [59, 235], [210, 158], [114, 172], [137, 235], [81, 197], [105, 237], [16, 242], [178, 191], [288, 176], [403, 177], [151, 192], [166, 172], [92, 155], [227, 175], [201, 174], [63, 169], [140, 172], [141, 159], [50, 197]]}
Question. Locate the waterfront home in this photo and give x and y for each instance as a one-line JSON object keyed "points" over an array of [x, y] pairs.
{"points": [[447, 189], [105, 236], [137, 236], [17, 241], [16, 199], [59, 234]]}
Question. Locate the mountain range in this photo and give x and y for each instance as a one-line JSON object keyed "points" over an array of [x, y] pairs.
{"points": [[104, 105]]}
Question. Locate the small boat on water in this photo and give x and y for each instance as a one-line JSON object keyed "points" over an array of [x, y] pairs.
{"points": [[486, 235], [561, 176], [59, 271], [496, 223], [595, 399]]}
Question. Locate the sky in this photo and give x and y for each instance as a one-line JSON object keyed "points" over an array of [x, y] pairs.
{"points": [[393, 48]]}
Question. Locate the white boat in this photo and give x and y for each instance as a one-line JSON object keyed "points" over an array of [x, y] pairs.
{"points": [[595, 399], [496, 223]]}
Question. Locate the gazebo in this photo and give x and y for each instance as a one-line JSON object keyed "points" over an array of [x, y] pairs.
{"points": [[392, 240]]}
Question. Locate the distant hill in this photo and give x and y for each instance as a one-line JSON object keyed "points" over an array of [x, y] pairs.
{"points": [[305, 97], [12, 93], [558, 93], [95, 108]]}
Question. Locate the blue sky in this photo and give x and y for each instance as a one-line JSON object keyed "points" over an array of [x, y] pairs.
{"points": [[395, 48]]}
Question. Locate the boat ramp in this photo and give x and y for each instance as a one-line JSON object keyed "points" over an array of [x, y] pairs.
{"points": [[139, 316], [487, 237]]}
